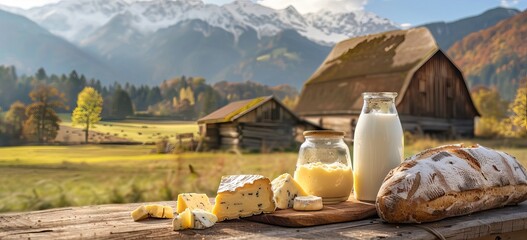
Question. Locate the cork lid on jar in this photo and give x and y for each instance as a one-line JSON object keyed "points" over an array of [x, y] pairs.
{"points": [[323, 133]]}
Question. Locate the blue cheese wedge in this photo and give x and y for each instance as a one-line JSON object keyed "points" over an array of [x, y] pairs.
{"points": [[193, 201], [243, 196], [194, 219], [285, 190], [203, 219]]}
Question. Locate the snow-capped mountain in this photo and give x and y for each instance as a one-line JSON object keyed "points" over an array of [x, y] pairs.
{"points": [[76, 20]]}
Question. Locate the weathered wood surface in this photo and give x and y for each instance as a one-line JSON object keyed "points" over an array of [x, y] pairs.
{"points": [[114, 222], [342, 212]]}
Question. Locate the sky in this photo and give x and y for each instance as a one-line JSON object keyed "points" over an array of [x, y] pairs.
{"points": [[405, 12]]}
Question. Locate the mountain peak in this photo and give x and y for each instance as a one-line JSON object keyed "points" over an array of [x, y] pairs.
{"points": [[76, 20]]}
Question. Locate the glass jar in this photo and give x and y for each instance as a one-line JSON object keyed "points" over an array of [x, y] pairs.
{"points": [[324, 166], [378, 144]]}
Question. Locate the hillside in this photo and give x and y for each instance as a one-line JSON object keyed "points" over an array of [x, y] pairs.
{"points": [[495, 56], [28, 46], [447, 33], [146, 42], [198, 49]]}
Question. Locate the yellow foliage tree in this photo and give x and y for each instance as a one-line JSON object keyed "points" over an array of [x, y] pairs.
{"points": [[88, 110], [516, 124], [492, 109], [190, 96], [290, 102], [187, 94]]}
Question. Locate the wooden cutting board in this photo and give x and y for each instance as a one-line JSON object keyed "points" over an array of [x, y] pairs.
{"points": [[350, 210]]}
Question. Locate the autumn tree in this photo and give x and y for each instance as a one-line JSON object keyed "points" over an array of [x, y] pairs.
{"points": [[14, 119], [492, 109], [88, 110], [519, 111], [42, 122], [516, 124]]}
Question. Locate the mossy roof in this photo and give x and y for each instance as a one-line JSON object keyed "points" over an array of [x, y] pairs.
{"points": [[378, 62], [233, 110]]}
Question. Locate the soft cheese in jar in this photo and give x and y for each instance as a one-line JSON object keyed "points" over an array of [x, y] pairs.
{"points": [[378, 144], [324, 166]]}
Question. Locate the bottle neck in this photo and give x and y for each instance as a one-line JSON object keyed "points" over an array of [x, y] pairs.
{"points": [[379, 105]]}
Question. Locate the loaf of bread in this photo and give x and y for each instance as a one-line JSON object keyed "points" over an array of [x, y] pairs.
{"points": [[450, 181]]}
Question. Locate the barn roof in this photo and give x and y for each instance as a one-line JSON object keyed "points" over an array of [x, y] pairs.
{"points": [[372, 63]]}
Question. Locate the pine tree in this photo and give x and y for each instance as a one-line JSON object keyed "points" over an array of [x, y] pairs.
{"points": [[88, 110], [121, 104]]}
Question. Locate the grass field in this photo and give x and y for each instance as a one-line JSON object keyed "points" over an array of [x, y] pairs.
{"points": [[54, 176], [138, 131], [41, 177]]}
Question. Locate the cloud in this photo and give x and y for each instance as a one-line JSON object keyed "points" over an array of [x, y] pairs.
{"points": [[26, 3], [405, 25], [305, 6], [508, 3]]}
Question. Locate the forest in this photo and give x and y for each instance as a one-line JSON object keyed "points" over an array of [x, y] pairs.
{"points": [[183, 98]]}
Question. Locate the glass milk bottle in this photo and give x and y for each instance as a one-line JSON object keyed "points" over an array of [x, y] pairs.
{"points": [[324, 166], [378, 144]]}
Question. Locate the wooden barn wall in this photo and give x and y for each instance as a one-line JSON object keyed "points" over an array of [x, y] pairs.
{"points": [[437, 90]]}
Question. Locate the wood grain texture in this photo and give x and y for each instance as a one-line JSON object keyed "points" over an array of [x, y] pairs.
{"points": [[114, 222], [343, 212]]}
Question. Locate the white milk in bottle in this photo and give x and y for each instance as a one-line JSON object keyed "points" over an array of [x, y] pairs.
{"points": [[378, 144]]}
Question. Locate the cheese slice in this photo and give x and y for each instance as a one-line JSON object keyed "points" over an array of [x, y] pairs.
{"points": [[285, 190], [194, 219], [159, 211], [308, 203], [243, 196], [139, 213], [193, 201]]}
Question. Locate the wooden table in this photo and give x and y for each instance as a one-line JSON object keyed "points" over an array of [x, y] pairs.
{"points": [[114, 222]]}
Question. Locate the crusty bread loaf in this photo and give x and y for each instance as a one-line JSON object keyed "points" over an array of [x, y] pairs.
{"points": [[450, 181]]}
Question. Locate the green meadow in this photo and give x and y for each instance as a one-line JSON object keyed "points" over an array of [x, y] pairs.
{"points": [[42, 177], [139, 131]]}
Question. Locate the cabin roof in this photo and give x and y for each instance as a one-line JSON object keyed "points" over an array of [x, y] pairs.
{"points": [[372, 63], [234, 110]]}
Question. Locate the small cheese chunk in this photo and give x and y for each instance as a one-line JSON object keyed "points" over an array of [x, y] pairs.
{"points": [[159, 211], [203, 219], [193, 201], [243, 196], [194, 219], [183, 220], [285, 189], [139, 213], [177, 223], [308, 203]]}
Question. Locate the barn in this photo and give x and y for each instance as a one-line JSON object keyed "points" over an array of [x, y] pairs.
{"points": [[260, 124], [432, 93]]}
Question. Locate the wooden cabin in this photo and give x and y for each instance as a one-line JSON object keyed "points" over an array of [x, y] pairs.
{"points": [[261, 124], [432, 93]]}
